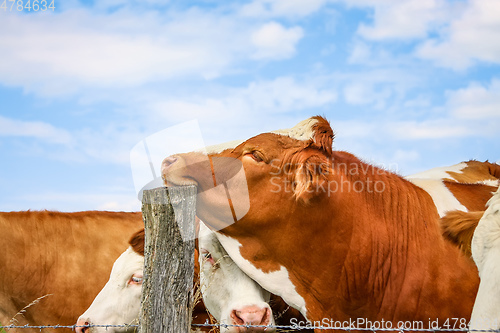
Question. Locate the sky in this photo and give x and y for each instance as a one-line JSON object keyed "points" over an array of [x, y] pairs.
{"points": [[406, 84]]}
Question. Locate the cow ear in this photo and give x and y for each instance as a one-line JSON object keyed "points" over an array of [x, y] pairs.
{"points": [[311, 179], [323, 135]]}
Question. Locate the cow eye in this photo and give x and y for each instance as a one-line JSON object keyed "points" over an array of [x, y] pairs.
{"points": [[136, 279], [256, 155], [207, 255]]}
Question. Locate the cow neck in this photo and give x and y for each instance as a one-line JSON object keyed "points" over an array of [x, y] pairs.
{"points": [[400, 261]]}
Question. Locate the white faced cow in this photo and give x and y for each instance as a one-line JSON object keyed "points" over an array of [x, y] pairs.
{"points": [[119, 301], [230, 295], [486, 253]]}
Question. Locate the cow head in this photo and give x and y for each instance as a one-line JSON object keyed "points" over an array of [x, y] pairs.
{"points": [[119, 301], [228, 293], [286, 166]]}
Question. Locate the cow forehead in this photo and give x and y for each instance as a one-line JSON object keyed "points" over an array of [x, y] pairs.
{"points": [[127, 263], [208, 240], [303, 131]]}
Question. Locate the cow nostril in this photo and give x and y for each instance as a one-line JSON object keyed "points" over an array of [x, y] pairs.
{"points": [[266, 318], [237, 320], [169, 161], [83, 326]]}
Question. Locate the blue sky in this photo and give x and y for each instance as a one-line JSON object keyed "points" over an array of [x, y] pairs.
{"points": [[406, 84]]}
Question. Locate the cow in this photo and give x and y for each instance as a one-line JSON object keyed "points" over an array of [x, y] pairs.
{"points": [[54, 263], [116, 307], [465, 186], [477, 234], [485, 250], [335, 237], [229, 295]]}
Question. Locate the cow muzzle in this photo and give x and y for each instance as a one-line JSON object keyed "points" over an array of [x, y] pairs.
{"points": [[252, 316], [174, 170], [81, 325]]}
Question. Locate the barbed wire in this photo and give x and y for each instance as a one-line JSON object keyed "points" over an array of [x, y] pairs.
{"points": [[281, 327], [73, 327], [348, 329]]}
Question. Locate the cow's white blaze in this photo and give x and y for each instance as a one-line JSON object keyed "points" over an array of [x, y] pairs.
{"points": [[119, 301], [444, 173], [440, 194], [439, 172], [485, 252], [215, 149], [279, 281], [303, 131], [226, 289]]}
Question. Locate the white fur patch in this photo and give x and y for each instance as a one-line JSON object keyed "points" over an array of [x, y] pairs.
{"points": [[117, 303], [303, 131], [440, 194], [216, 149], [443, 172], [489, 182], [438, 173], [485, 252], [225, 287], [278, 282]]}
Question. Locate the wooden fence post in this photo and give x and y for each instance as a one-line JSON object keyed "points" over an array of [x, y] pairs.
{"points": [[169, 259]]}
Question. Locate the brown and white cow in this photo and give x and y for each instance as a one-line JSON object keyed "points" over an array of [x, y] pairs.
{"points": [[117, 305], [337, 238], [465, 186], [478, 235], [486, 253], [229, 294], [65, 257]]}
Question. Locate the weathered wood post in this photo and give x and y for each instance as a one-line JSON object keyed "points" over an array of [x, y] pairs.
{"points": [[169, 221]]}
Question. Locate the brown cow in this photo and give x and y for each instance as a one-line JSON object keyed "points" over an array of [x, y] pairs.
{"points": [[337, 238], [63, 257]]}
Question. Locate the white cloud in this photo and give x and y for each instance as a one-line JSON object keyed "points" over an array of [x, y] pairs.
{"points": [[285, 94], [360, 54], [363, 93], [405, 156], [395, 19], [34, 129], [476, 101], [472, 36], [428, 129], [281, 95], [281, 8], [273, 41], [77, 47], [64, 53]]}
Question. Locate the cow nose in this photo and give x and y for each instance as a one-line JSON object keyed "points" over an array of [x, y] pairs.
{"points": [[165, 166], [82, 322], [167, 162], [251, 315]]}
